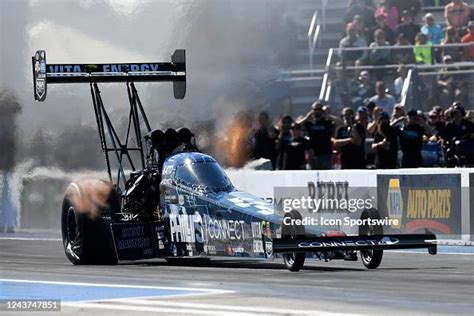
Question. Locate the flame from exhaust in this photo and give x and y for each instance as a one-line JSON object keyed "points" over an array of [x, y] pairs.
{"points": [[234, 146]]}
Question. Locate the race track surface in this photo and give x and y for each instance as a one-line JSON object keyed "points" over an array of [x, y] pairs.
{"points": [[405, 283]]}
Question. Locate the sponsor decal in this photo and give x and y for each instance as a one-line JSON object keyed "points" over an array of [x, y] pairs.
{"points": [[211, 249], [181, 199], [256, 229], [394, 201], [106, 68], [195, 228], [258, 246], [354, 243], [421, 202], [268, 248], [127, 217], [133, 241], [246, 202]]}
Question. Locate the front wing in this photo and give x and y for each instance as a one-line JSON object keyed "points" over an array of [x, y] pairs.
{"points": [[348, 243]]}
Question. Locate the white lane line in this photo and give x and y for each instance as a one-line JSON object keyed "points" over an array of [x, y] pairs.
{"points": [[198, 308], [192, 289], [134, 308], [30, 238], [232, 308], [439, 253]]}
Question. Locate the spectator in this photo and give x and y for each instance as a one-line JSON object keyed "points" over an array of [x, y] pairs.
{"points": [[422, 53], [362, 116], [400, 80], [385, 143], [293, 149], [412, 6], [382, 25], [360, 8], [447, 116], [362, 89], [264, 138], [334, 119], [408, 28], [458, 127], [432, 30], [398, 115], [470, 116], [435, 122], [320, 131], [457, 14], [352, 40], [411, 140], [390, 13], [284, 135], [451, 87], [469, 38], [350, 140], [401, 55], [360, 27], [379, 56], [188, 141], [370, 109], [382, 99], [372, 126], [451, 38]]}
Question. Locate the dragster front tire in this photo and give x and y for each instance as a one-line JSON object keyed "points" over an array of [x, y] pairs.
{"points": [[87, 237], [294, 261], [371, 258]]}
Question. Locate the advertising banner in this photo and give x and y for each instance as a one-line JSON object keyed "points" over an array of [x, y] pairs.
{"points": [[471, 204], [421, 202]]}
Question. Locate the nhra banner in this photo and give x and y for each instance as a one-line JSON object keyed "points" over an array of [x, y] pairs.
{"points": [[421, 202]]}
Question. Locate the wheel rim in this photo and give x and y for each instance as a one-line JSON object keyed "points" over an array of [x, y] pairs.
{"points": [[71, 225], [290, 258]]}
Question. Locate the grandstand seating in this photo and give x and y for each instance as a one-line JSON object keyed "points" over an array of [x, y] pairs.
{"points": [[305, 85]]}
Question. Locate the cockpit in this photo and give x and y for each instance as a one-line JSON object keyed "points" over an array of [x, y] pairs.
{"points": [[197, 172]]}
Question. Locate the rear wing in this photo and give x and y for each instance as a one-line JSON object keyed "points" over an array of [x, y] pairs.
{"points": [[45, 74]]}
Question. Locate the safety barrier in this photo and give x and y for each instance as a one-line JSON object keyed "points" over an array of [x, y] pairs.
{"points": [[438, 199]]}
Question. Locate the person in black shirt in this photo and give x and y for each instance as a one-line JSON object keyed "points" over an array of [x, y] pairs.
{"points": [[408, 28], [390, 34], [320, 130], [293, 149], [350, 139], [188, 143], [284, 135], [411, 140], [264, 139], [385, 143], [458, 127], [435, 122], [360, 8]]}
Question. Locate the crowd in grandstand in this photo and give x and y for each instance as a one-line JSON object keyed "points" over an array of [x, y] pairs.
{"points": [[374, 129], [393, 24]]}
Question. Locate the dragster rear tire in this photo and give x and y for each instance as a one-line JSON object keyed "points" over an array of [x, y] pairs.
{"points": [[87, 239], [294, 261], [371, 258]]}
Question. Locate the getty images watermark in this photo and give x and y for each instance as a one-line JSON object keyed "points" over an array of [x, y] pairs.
{"points": [[330, 204]]}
